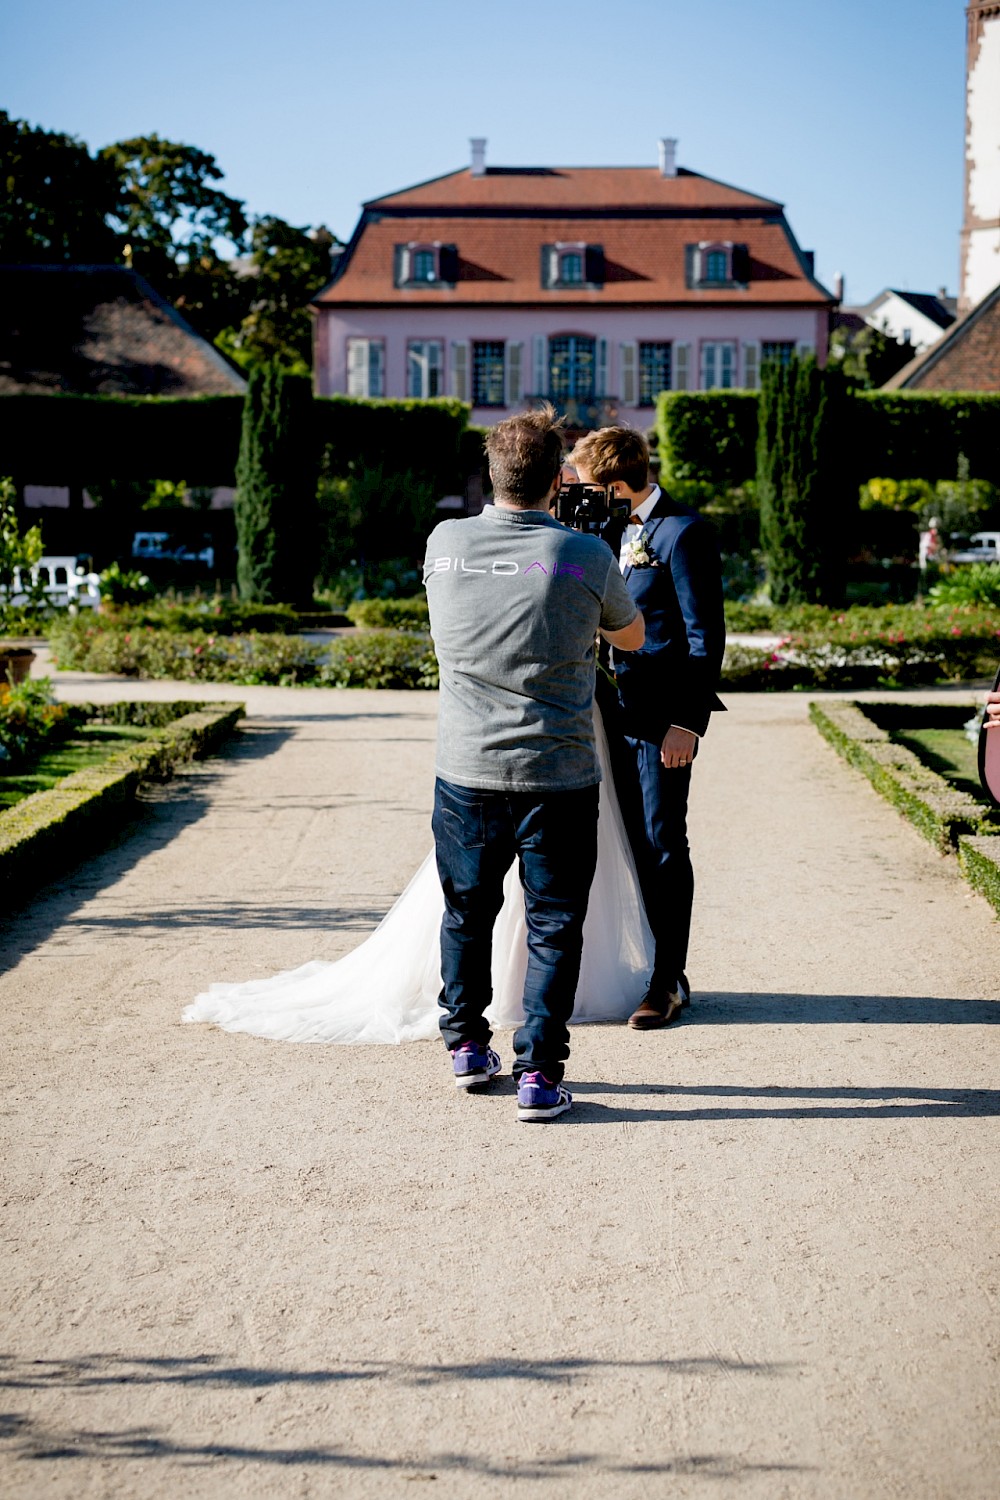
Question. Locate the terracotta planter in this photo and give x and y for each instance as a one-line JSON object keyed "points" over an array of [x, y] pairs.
{"points": [[15, 663]]}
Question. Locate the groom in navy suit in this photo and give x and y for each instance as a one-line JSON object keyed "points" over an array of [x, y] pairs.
{"points": [[663, 695]]}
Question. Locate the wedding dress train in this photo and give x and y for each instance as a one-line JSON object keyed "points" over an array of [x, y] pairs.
{"points": [[387, 989]]}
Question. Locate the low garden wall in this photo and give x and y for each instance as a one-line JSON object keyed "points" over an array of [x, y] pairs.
{"points": [[952, 820], [45, 830]]}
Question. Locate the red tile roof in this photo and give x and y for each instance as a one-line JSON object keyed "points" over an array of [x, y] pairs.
{"points": [[967, 358], [643, 221], [554, 188]]}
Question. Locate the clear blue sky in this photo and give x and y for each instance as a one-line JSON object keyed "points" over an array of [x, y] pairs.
{"points": [[850, 112]]}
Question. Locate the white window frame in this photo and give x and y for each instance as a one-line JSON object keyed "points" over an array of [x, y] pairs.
{"points": [[638, 370], [712, 351], [424, 357], [680, 371], [365, 367]]}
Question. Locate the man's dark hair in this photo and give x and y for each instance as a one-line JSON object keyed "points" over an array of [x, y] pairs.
{"points": [[613, 453], [525, 454]]}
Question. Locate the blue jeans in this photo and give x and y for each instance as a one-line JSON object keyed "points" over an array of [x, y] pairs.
{"points": [[477, 835]]}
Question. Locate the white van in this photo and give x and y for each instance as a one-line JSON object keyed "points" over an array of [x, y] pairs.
{"points": [[984, 547]]}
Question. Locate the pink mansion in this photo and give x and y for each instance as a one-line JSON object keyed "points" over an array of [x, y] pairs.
{"points": [[596, 287]]}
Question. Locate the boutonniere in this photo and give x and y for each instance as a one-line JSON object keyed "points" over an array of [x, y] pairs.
{"points": [[637, 553]]}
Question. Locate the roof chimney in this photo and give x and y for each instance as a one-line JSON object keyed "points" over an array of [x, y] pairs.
{"points": [[668, 157], [478, 144], [838, 287]]}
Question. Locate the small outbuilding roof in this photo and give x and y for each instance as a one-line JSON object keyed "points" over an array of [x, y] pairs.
{"points": [[101, 331]]}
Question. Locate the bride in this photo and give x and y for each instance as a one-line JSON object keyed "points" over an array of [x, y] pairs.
{"points": [[387, 989]]}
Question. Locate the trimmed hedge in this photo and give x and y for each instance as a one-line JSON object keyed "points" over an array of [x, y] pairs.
{"points": [[80, 440], [390, 614], [926, 799], [63, 439], [424, 437], [710, 436], [44, 830], [979, 860]]}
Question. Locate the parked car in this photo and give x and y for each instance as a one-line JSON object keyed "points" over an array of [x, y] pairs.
{"points": [[165, 547], [63, 582], [983, 547]]}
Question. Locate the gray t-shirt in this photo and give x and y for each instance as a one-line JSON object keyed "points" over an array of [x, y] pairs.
{"points": [[515, 603]]}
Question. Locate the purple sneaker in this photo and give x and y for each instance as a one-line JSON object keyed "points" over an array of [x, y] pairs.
{"points": [[474, 1065], [538, 1099]]}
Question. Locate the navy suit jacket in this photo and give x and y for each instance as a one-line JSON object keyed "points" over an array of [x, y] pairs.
{"points": [[673, 678]]}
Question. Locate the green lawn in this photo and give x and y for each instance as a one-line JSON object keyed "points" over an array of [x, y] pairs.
{"points": [[88, 747], [948, 752]]}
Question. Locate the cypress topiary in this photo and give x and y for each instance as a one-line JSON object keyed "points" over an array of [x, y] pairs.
{"points": [[797, 481], [276, 489]]}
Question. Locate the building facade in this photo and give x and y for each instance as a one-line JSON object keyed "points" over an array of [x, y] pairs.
{"points": [[980, 255], [593, 287]]}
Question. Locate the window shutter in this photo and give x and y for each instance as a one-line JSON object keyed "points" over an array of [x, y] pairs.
{"points": [[594, 265], [357, 367], [805, 349], [460, 370], [682, 367], [376, 368], [690, 265], [550, 265], [741, 264], [751, 367], [539, 380], [628, 355], [402, 264], [601, 381], [448, 264], [515, 378]]}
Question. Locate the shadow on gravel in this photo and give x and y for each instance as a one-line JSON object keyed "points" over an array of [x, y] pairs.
{"points": [[163, 811], [21, 1437], [781, 1103], [733, 1009]]}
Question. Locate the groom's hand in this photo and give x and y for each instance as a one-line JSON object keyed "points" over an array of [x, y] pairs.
{"points": [[678, 747]]}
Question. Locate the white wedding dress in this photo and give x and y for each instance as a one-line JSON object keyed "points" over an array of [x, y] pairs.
{"points": [[387, 989]]}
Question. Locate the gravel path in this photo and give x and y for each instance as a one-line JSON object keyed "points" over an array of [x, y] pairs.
{"points": [[759, 1259]]}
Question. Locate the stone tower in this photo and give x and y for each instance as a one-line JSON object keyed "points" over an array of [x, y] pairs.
{"points": [[980, 268]]}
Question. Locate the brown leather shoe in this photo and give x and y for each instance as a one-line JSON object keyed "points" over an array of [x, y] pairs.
{"points": [[654, 1013]]}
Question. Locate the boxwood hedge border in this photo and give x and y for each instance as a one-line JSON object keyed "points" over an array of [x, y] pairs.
{"points": [[42, 833], [952, 821]]}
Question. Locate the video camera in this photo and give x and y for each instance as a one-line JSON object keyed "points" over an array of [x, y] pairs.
{"points": [[586, 507]]}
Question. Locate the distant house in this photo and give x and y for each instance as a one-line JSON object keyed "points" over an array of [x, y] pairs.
{"points": [[594, 287], [101, 331], [917, 318], [967, 358]]}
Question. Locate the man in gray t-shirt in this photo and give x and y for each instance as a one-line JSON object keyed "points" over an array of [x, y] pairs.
{"points": [[516, 601]]}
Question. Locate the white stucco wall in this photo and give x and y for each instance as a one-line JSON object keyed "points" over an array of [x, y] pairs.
{"points": [[894, 316], [981, 271]]}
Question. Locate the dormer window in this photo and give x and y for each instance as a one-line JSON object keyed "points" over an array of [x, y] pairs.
{"points": [[423, 264], [717, 263], [572, 265]]}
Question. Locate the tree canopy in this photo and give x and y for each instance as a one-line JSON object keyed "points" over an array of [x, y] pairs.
{"points": [[156, 205]]}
